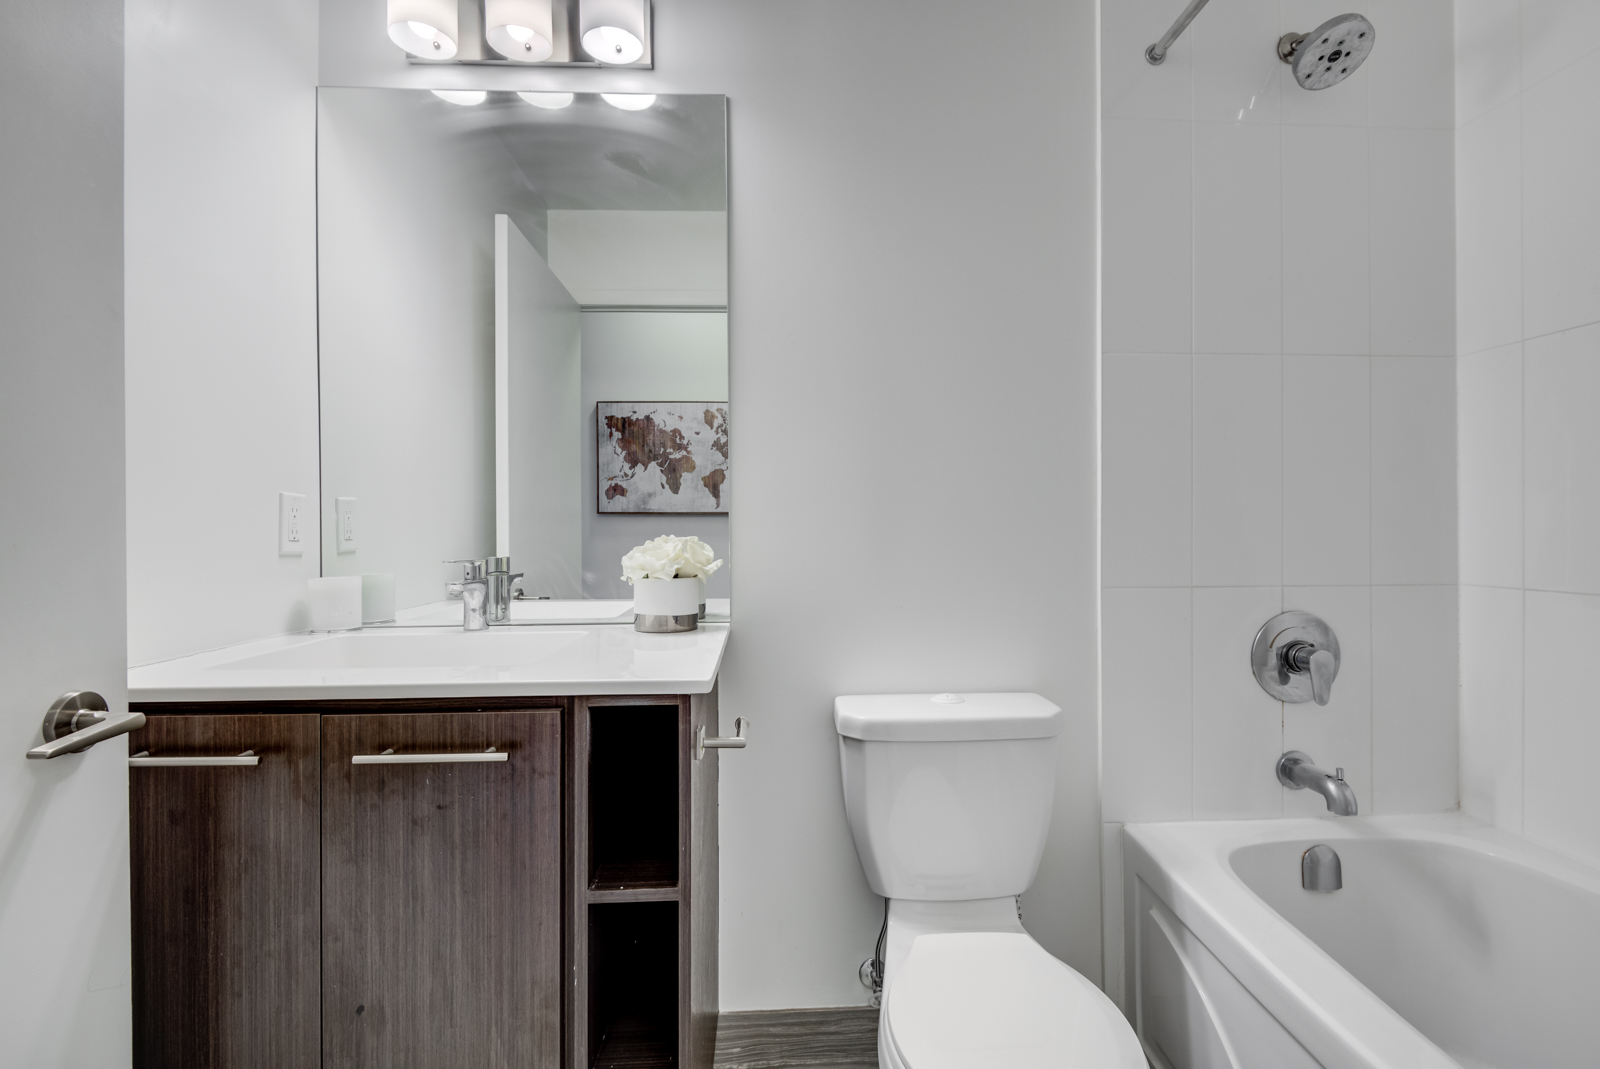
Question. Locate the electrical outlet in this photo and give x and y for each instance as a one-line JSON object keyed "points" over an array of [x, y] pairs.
{"points": [[291, 524], [345, 509]]}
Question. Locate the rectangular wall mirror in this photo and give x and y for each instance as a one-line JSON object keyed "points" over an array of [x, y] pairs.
{"points": [[523, 307]]}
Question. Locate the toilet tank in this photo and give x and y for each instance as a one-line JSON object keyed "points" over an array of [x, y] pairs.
{"points": [[948, 795]]}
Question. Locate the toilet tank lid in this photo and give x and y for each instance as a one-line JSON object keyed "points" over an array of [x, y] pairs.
{"points": [[946, 717]]}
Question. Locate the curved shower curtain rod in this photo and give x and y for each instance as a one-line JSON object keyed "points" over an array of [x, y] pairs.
{"points": [[1158, 51]]}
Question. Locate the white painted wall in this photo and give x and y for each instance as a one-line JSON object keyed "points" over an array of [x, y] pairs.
{"points": [[539, 496], [406, 270], [64, 946], [1278, 413], [877, 551], [221, 317], [1528, 290], [641, 258], [649, 356]]}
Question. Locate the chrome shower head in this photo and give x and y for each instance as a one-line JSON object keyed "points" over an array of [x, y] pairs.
{"points": [[1330, 53]]}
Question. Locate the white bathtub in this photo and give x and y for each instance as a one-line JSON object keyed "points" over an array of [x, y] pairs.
{"points": [[1451, 944]]}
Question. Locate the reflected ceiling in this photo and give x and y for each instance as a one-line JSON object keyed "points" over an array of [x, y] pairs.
{"points": [[593, 156]]}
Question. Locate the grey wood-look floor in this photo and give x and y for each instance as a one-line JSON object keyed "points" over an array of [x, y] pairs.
{"points": [[835, 1037]]}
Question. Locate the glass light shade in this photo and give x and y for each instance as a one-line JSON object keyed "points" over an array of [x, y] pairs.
{"points": [[465, 97], [612, 31], [629, 101], [552, 101], [519, 30], [424, 28]]}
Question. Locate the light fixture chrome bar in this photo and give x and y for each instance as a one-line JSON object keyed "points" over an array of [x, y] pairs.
{"points": [[389, 757], [144, 760], [1157, 52]]}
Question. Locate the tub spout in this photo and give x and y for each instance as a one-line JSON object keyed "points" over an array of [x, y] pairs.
{"points": [[1296, 772]]}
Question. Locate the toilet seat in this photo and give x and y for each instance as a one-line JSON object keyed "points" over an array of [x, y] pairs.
{"points": [[991, 1000]]}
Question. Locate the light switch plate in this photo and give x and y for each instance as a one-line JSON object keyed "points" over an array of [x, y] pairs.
{"points": [[291, 524], [345, 509]]}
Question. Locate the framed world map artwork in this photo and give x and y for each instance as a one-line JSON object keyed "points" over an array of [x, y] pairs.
{"points": [[662, 456]]}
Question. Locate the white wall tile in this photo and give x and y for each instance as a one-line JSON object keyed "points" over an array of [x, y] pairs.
{"points": [[1145, 723], [1489, 448], [1410, 70], [1327, 490], [1413, 223], [1238, 728], [1326, 276], [1130, 88], [1146, 470], [1235, 79], [1555, 34], [1338, 734], [1147, 261], [1488, 55], [1238, 254], [1414, 699], [1562, 491], [1491, 705], [1413, 470], [1560, 730], [1561, 211], [1489, 230], [1238, 469]]}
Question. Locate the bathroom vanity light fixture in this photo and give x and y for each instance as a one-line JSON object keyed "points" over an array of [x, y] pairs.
{"points": [[525, 33], [428, 29], [629, 101], [520, 30], [613, 31], [550, 101], [465, 97]]}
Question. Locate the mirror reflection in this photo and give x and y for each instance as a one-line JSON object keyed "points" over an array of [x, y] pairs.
{"points": [[523, 344]]}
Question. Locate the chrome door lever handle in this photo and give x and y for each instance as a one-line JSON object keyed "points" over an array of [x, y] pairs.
{"points": [[737, 742], [79, 719]]}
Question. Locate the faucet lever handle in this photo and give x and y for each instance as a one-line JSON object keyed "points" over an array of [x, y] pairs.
{"points": [[1323, 668]]}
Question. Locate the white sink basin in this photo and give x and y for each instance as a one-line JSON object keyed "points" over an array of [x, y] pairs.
{"points": [[441, 662], [512, 648], [598, 611]]}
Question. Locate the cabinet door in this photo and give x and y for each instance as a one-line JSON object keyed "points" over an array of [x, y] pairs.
{"points": [[441, 895], [225, 895]]}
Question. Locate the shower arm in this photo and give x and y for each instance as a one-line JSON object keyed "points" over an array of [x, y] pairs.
{"points": [[1157, 52]]}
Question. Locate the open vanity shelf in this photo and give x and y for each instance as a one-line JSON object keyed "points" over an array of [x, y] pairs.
{"points": [[330, 908], [642, 842]]}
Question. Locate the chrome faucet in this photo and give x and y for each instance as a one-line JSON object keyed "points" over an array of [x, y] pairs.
{"points": [[503, 583], [1296, 772], [473, 590]]}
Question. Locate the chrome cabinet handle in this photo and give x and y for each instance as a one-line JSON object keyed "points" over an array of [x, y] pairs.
{"points": [[738, 742], [79, 719], [389, 757], [142, 759]]}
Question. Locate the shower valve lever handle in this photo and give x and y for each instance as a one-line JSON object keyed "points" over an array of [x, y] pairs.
{"points": [[1323, 668]]}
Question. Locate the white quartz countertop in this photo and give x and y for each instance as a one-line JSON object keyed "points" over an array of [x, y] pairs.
{"points": [[441, 662]]}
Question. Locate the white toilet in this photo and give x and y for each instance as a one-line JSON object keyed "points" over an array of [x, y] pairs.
{"points": [[949, 802]]}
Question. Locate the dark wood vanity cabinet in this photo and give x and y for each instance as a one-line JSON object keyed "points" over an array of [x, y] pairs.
{"points": [[554, 907], [226, 894], [441, 891]]}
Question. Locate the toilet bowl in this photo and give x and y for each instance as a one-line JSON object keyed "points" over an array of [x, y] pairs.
{"points": [[948, 798]]}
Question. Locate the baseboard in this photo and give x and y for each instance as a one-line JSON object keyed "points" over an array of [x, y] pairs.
{"points": [[830, 1037]]}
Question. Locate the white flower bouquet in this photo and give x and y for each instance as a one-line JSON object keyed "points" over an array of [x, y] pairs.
{"points": [[669, 557], [668, 575]]}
